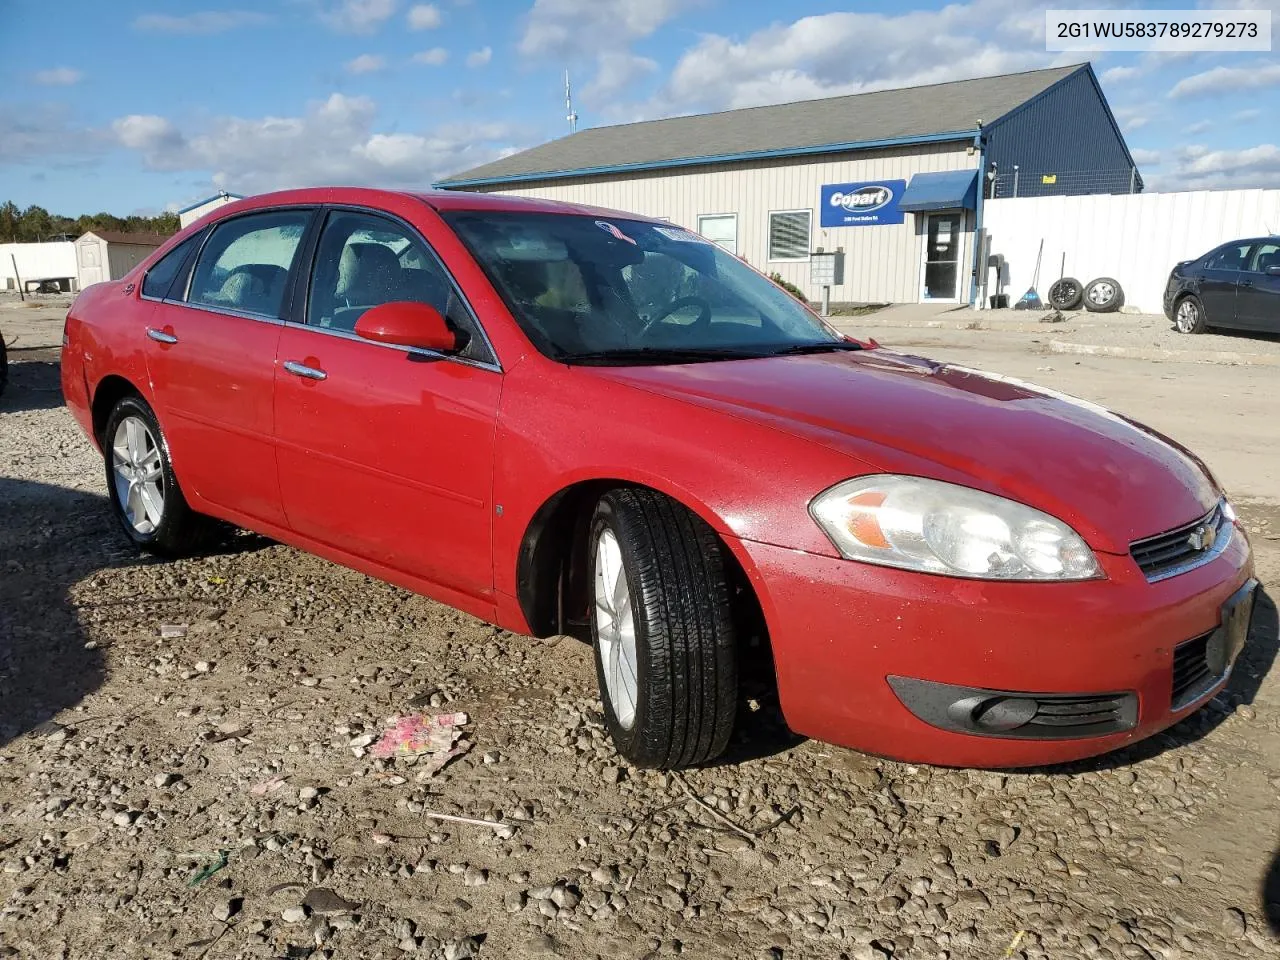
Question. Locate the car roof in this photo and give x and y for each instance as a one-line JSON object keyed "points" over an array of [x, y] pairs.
{"points": [[439, 200]]}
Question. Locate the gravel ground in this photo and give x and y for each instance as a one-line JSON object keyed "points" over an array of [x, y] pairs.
{"points": [[141, 702]]}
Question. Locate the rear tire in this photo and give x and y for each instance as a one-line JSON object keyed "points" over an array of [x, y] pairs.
{"points": [[144, 493], [662, 628], [1188, 315]]}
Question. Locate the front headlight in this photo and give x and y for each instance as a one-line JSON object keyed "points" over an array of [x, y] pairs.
{"points": [[937, 527]]}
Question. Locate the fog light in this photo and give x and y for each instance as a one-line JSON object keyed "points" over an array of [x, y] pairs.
{"points": [[1004, 713]]}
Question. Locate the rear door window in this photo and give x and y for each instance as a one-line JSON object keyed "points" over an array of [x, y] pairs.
{"points": [[245, 265], [1264, 256]]}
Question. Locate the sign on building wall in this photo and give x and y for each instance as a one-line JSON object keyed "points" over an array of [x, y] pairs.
{"points": [[862, 204]]}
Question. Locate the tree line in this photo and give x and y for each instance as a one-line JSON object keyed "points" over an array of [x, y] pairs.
{"points": [[36, 224]]}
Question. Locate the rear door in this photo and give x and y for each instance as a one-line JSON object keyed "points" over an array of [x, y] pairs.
{"points": [[1218, 281], [1258, 292], [386, 452], [211, 349]]}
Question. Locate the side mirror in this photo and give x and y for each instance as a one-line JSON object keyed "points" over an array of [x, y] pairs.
{"points": [[407, 324], [1274, 271]]}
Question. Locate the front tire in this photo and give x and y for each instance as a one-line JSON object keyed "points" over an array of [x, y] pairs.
{"points": [[1188, 315], [662, 628], [144, 493]]}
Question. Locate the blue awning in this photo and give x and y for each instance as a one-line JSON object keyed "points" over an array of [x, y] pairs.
{"points": [[949, 190]]}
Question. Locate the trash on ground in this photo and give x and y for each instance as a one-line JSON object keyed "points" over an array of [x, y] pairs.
{"points": [[504, 830], [434, 739], [270, 785], [209, 870], [172, 631], [1054, 317]]}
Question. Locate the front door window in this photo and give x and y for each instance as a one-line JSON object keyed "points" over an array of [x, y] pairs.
{"points": [[942, 256]]}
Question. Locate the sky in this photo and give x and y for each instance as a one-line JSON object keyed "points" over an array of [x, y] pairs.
{"points": [[137, 106]]}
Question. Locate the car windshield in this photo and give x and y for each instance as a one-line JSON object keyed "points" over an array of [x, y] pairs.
{"points": [[610, 290]]}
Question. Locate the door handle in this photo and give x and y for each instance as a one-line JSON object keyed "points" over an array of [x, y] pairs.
{"points": [[302, 370], [159, 336], [1246, 283]]}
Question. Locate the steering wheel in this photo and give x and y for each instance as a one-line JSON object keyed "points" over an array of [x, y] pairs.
{"points": [[703, 319]]}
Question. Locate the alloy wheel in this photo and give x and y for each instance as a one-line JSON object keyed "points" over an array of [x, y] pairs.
{"points": [[139, 475], [1100, 293], [616, 629], [1186, 319]]}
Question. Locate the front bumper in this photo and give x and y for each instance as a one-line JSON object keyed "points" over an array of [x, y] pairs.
{"points": [[840, 630]]}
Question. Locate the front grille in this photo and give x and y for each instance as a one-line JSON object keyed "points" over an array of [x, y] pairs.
{"points": [[1167, 554], [1193, 676]]}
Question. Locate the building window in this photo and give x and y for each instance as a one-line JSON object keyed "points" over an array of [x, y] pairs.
{"points": [[721, 229], [789, 235]]}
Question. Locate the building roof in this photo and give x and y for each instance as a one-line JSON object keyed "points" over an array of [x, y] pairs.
{"points": [[941, 111], [217, 196], [138, 239]]}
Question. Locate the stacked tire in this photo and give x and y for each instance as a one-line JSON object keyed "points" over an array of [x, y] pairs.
{"points": [[1103, 295]]}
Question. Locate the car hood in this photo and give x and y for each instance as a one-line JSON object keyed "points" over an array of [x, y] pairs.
{"points": [[1112, 479]]}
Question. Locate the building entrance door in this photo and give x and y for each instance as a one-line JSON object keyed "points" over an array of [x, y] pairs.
{"points": [[940, 277]]}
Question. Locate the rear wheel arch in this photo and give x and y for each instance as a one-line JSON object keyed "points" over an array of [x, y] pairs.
{"points": [[110, 390]]}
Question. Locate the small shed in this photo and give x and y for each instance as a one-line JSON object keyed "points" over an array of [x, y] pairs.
{"points": [[109, 255], [190, 214]]}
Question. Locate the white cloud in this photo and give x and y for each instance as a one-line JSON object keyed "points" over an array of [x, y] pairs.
{"points": [[557, 28], [1119, 74], [1146, 158], [1244, 116], [1222, 80], [425, 16], [479, 58], [616, 71], [1198, 168], [1200, 126], [811, 57], [365, 63], [200, 22], [358, 16], [435, 57], [58, 77], [333, 141], [1135, 123]]}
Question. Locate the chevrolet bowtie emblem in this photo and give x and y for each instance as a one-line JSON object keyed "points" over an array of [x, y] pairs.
{"points": [[1201, 538]]}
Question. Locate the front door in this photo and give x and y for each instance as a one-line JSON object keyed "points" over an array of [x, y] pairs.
{"points": [[942, 248], [1218, 284], [386, 452], [211, 352], [1258, 291]]}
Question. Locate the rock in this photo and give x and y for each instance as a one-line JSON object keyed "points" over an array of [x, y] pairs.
{"points": [[1234, 923], [224, 910], [308, 793], [611, 775], [124, 818], [463, 949], [162, 780], [514, 901], [326, 902], [973, 897], [203, 666], [293, 914], [564, 897], [475, 877], [871, 951], [542, 944]]}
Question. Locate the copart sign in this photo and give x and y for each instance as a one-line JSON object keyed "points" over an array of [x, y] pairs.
{"points": [[862, 204]]}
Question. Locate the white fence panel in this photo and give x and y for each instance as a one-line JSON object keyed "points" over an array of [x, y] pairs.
{"points": [[1133, 238], [37, 261]]}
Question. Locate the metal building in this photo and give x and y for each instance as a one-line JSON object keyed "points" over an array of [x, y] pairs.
{"points": [[894, 180], [109, 255]]}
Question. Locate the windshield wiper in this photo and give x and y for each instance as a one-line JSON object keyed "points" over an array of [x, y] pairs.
{"points": [[822, 346], [625, 355]]}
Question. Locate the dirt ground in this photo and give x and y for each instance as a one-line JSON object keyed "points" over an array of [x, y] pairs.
{"points": [[141, 702]]}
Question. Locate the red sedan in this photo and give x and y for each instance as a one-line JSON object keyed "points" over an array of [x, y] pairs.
{"points": [[569, 420]]}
